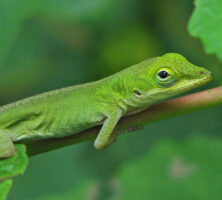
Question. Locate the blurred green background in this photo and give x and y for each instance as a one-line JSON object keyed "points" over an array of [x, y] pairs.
{"points": [[49, 44]]}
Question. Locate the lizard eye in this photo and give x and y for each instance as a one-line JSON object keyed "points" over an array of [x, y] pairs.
{"points": [[165, 77], [163, 74]]}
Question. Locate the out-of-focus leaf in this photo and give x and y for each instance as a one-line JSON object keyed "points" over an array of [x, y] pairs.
{"points": [[89, 189], [4, 188], [206, 23], [14, 165], [125, 47], [49, 64], [85, 190], [175, 170], [77, 9], [12, 15]]}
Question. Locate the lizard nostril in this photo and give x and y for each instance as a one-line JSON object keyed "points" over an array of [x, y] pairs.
{"points": [[201, 72]]}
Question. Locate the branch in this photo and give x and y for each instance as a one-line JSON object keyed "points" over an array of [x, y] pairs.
{"points": [[174, 107]]}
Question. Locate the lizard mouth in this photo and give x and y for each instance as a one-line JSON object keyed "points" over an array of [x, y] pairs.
{"points": [[197, 83]]}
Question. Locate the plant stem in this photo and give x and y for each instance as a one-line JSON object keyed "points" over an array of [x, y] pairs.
{"points": [[174, 107]]}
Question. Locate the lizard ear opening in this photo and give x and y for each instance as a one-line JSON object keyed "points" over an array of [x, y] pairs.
{"points": [[137, 92]]}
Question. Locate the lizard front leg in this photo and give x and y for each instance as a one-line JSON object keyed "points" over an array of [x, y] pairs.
{"points": [[104, 136], [7, 147]]}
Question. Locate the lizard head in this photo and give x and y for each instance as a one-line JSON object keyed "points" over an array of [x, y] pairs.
{"points": [[163, 77]]}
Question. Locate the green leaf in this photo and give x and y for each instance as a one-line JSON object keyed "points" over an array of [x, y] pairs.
{"points": [[4, 188], [11, 167], [189, 169], [14, 165], [206, 24]]}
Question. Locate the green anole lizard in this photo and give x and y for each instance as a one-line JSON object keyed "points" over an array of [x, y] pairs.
{"points": [[67, 111]]}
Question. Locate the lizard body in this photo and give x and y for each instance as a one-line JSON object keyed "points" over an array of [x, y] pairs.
{"points": [[67, 111]]}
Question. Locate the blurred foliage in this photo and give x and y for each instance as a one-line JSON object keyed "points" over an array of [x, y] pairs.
{"points": [[188, 169], [205, 23], [125, 47], [49, 44], [85, 190]]}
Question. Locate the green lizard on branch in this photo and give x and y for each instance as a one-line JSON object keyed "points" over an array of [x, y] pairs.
{"points": [[70, 110]]}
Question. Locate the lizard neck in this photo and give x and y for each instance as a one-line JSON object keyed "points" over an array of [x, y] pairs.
{"points": [[118, 91]]}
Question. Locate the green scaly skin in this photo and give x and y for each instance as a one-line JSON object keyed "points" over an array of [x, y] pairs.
{"points": [[73, 109]]}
